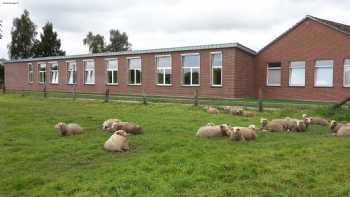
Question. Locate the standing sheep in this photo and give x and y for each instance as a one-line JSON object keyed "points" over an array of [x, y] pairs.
{"points": [[107, 124], [209, 131], [117, 142], [243, 133], [317, 120], [128, 127], [64, 129], [213, 110]]}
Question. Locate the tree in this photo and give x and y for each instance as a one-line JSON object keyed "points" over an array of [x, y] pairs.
{"points": [[118, 41], [49, 44], [96, 42], [22, 37]]}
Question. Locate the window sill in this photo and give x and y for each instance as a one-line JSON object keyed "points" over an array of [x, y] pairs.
{"points": [[89, 84], [54, 84], [346, 86], [134, 84], [111, 84], [190, 85], [296, 86], [72, 84], [165, 85], [216, 86], [323, 86], [272, 85]]}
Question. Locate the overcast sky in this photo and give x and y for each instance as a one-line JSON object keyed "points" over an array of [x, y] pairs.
{"points": [[169, 23]]}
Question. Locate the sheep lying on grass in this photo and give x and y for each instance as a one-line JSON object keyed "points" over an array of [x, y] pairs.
{"points": [[64, 129], [344, 131], [243, 133], [335, 126], [211, 130], [247, 113], [213, 110], [274, 125], [235, 110], [117, 142], [128, 127], [317, 120], [296, 125], [107, 124]]}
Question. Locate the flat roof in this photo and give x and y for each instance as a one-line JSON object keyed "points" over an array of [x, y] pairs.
{"points": [[136, 52]]}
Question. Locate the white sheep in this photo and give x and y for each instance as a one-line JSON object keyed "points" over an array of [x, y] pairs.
{"points": [[243, 133], [64, 129], [277, 125], [210, 130], [317, 120], [107, 124], [213, 110], [335, 126], [344, 131], [128, 127], [117, 142]]}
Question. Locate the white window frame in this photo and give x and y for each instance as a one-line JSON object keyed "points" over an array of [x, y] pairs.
{"points": [[346, 67], [30, 73], [212, 68], [39, 66], [74, 72], [268, 74], [93, 70], [56, 71], [296, 67], [112, 70], [191, 68], [135, 84], [315, 75], [163, 70]]}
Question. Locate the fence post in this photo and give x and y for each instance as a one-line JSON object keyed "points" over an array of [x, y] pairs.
{"points": [[260, 100], [45, 91], [74, 92], [107, 95], [195, 99], [23, 91], [144, 97]]}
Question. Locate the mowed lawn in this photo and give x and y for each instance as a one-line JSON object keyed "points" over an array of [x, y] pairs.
{"points": [[167, 160]]}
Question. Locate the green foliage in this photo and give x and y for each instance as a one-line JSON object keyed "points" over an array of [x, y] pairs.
{"points": [[167, 160], [22, 37], [118, 41], [49, 44], [96, 42]]}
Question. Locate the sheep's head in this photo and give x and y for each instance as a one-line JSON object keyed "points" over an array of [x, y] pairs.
{"points": [[115, 126], [121, 133], [60, 125], [333, 124], [225, 129], [307, 120], [236, 134], [252, 127], [61, 128], [263, 122]]}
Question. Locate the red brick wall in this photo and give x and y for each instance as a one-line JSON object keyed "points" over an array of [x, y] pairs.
{"points": [[17, 76], [310, 41]]}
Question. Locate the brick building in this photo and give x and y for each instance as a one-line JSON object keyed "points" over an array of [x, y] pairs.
{"points": [[307, 62]]}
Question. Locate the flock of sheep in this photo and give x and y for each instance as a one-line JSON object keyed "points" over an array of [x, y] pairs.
{"points": [[119, 141]]}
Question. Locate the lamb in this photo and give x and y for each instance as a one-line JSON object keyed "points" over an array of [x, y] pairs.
{"points": [[107, 124], [64, 129], [317, 120], [213, 110], [243, 133], [209, 131], [128, 127], [335, 126], [343, 131], [117, 142], [273, 126]]}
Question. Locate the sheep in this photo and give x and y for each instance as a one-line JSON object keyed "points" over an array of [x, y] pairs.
{"points": [[64, 129], [243, 133], [209, 131], [344, 131], [273, 126], [107, 124], [128, 127], [213, 110], [232, 109], [227, 109], [117, 142], [247, 113], [335, 126], [317, 120]]}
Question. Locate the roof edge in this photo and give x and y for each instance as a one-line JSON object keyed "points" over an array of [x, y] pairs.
{"points": [[137, 52]]}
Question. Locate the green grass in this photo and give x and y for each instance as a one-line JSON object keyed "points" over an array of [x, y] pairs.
{"points": [[168, 160]]}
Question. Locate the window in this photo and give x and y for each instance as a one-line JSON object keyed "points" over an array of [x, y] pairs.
{"points": [[72, 72], [324, 73], [216, 68], [163, 69], [297, 73], [54, 73], [112, 71], [89, 73], [346, 73], [134, 71], [30, 73], [190, 66], [42, 73], [273, 74]]}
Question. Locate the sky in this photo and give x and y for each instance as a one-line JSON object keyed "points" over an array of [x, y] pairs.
{"points": [[169, 23]]}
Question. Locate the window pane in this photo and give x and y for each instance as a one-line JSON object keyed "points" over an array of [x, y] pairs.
{"points": [[347, 76], [131, 76], [216, 60], [297, 76], [135, 63], [54, 67], [71, 66], [138, 76], [167, 76], [187, 76], [216, 76], [160, 76], [110, 77], [112, 65], [42, 67], [274, 76], [163, 61], [324, 76], [190, 60], [89, 65], [195, 76], [115, 76], [324, 63]]}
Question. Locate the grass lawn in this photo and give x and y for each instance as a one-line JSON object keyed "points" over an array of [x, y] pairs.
{"points": [[167, 160]]}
